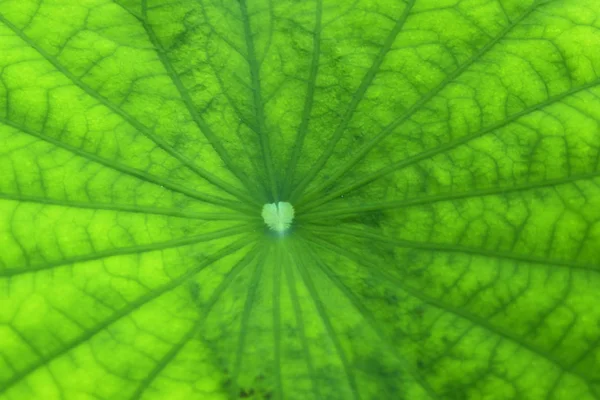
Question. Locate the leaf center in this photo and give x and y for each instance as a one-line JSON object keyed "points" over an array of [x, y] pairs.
{"points": [[278, 216]]}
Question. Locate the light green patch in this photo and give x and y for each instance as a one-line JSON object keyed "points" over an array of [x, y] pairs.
{"points": [[278, 216]]}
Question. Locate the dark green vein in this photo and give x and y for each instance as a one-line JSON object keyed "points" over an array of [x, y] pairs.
{"points": [[27, 342], [449, 345], [16, 238], [291, 282], [543, 315], [277, 320], [303, 269], [131, 307], [198, 120], [389, 129], [258, 103], [172, 353], [164, 361], [451, 248], [254, 161], [429, 153], [134, 14], [341, 212], [171, 212], [309, 100], [368, 317], [160, 142], [269, 41], [144, 176], [420, 293], [356, 99], [244, 121], [593, 345], [248, 304], [555, 384], [220, 234]]}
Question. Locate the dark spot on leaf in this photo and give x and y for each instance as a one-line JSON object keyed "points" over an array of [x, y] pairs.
{"points": [[194, 290], [419, 311]]}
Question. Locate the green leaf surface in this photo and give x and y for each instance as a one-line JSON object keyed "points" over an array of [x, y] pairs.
{"points": [[442, 158]]}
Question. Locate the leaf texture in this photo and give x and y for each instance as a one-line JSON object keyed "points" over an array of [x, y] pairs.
{"points": [[442, 158]]}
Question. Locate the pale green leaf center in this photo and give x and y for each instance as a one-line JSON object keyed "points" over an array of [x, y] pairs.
{"points": [[278, 216]]}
